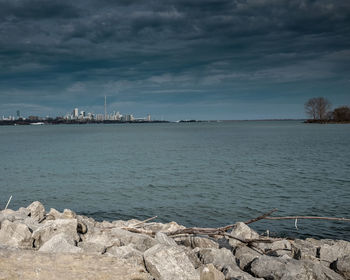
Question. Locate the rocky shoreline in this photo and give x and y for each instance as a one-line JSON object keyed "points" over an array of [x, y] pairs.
{"points": [[35, 244]]}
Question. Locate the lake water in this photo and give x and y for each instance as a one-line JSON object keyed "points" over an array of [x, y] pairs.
{"points": [[197, 174]]}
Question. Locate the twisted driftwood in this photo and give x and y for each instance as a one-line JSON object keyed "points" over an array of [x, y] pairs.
{"points": [[223, 230]]}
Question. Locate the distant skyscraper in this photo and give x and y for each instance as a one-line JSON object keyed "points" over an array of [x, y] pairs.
{"points": [[75, 113], [105, 107], [18, 114]]}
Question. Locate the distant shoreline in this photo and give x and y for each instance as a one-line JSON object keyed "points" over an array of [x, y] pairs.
{"points": [[326, 122]]}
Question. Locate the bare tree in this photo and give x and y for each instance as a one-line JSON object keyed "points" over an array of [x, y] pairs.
{"points": [[317, 108]]}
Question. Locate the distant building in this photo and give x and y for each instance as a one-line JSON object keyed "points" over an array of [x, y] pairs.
{"points": [[75, 113]]}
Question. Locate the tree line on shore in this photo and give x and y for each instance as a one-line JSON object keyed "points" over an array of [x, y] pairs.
{"points": [[319, 109]]}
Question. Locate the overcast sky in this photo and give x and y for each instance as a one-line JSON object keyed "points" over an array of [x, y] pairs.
{"points": [[174, 59]]}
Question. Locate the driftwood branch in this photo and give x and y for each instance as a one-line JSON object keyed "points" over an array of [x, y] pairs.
{"points": [[223, 230], [307, 217], [144, 221], [263, 216]]}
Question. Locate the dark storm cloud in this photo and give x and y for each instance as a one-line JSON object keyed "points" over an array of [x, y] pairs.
{"points": [[66, 53]]}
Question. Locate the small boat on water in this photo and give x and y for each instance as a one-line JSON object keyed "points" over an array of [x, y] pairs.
{"points": [[37, 123]]}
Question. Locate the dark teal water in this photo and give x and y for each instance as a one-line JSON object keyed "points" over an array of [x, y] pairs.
{"points": [[197, 174]]}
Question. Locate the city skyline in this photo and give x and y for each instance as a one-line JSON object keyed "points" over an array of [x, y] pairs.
{"points": [[210, 59]]}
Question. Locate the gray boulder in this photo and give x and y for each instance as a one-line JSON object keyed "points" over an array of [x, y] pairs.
{"points": [[101, 238], [169, 227], [29, 265], [331, 250], [233, 272], [280, 268], [218, 257], [12, 215], [277, 248], [197, 241], [31, 223], [244, 256], [126, 252], [166, 262], [54, 227], [60, 243], [342, 266], [36, 210], [93, 248], [162, 238], [209, 272], [15, 235], [242, 231], [140, 242]]}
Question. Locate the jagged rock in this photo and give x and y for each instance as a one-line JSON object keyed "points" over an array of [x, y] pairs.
{"points": [[218, 257], [90, 247], [209, 272], [277, 248], [60, 243], [140, 242], [126, 252], [342, 266], [245, 255], [279, 268], [233, 272], [101, 238], [12, 215], [29, 265], [196, 241], [51, 228], [305, 249], [68, 214], [242, 231], [169, 227], [86, 226], [36, 210], [193, 256], [331, 250], [166, 262], [31, 223], [162, 238], [16, 235], [53, 214]]}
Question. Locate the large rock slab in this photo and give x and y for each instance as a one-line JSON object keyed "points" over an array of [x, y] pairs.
{"points": [[274, 268], [60, 244], [342, 266], [277, 248], [29, 265], [126, 252], [54, 227], [140, 242], [233, 272], [12, 216], [15, 235], [36, 210], [218, 257], [244, 256], [166, 262], [197, 241], [162, 238], [242, 231], [209, 272], [330, 250]]}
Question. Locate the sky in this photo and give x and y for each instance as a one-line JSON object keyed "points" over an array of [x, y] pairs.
{"points": [[173, 59]]}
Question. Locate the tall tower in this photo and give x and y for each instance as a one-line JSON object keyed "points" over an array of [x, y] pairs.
{"points": [[105, 107]]}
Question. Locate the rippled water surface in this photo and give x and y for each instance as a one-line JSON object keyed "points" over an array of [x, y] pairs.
{"points": [[197, 174]]}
